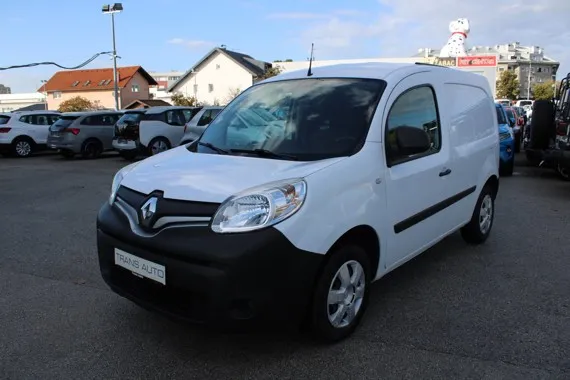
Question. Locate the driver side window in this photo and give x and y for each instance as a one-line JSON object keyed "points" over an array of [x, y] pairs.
{"points": [[416, 108]]}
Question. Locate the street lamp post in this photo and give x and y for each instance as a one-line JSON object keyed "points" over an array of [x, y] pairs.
{"points": [[529, 72], [112, 9]]}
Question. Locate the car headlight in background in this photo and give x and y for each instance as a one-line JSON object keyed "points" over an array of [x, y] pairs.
{"points": [[260, 207], [118, 178]]}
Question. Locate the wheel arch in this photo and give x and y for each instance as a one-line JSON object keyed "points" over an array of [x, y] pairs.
{"points": [[493, 182], [363, 236]]}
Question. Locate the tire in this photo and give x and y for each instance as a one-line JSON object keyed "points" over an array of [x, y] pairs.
{"points": [[91, 149], [321, 325], [67, 154], [128, 155], [22, 147], [542, 124], [475, 232], [508, 169], [563, 172], [518, 143], [532, 157], [158, 145]]}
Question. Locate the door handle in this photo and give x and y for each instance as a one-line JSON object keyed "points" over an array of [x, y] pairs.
{"points": [[444, 172]]}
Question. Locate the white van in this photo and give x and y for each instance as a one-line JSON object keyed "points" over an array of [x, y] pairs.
{"points": [[522, 103], [368, 166]]}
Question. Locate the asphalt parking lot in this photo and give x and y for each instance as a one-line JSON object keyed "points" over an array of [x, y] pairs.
{"points": [[498, 311]]}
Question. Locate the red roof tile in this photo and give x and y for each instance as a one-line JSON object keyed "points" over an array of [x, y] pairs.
{"points": [[93, 79]]}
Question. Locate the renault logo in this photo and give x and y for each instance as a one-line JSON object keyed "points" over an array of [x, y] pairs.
{"points": [[148, 210]]}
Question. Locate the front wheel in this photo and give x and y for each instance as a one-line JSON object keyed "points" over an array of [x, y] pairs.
{"points": [[479, 227], [341, 294], [508, 169]]}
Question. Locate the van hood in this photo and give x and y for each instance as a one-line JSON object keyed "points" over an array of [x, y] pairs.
{"points": [[203, 177]]}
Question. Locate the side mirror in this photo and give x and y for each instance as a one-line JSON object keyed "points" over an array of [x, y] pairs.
{"points": [[411, 140]]}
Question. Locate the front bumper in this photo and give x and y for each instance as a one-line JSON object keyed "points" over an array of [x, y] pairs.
{"points": [[221, 279]]}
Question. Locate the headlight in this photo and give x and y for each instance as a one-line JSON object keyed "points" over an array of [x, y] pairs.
{"points": [[118, 178], [260, 207]]}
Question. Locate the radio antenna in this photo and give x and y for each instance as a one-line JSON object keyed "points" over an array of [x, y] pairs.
{"points": [[310, 72]]}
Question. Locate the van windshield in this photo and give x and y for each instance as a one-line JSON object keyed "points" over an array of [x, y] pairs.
{"points": [[501, 116], [301, 119]]}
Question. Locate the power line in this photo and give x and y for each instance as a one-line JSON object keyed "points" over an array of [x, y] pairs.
{"points": [[58, 65]]}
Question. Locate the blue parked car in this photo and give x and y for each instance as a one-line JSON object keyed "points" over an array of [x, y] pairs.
{"points": [[507, 138]]}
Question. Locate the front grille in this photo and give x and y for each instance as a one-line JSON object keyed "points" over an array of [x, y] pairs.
{"points": [[504, 136], [168, 207]]}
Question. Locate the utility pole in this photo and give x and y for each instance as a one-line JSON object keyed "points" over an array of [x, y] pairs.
{"points": [[529, 72], [112, 9]]}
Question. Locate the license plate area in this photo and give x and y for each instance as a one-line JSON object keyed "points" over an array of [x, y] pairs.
{"points": [[140, 267]]}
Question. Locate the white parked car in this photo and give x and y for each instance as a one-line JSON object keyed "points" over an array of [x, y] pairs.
{"points": [[23, 133], [161, 128], [196, 126], [291, 221]]}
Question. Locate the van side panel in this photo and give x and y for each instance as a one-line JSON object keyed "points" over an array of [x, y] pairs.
{"points": [[474, 138]]}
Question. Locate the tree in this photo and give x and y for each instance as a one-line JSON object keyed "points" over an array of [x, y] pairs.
{"points": [[508, 86], [76, 104], [181, 100], [543, 91], [232, 93], [270, 72]]}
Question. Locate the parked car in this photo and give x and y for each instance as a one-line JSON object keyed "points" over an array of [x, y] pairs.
{"points": [[362, 175], [126, 140], [507, 139], [23, 133], [196, 126], [504, 102], [86, 133], [162, 128], [523, 103], [517, 123]]}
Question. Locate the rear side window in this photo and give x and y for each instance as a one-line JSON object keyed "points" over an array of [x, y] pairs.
{"points": [[4, 119], [205, 118], [104, 119], [414, 108]]}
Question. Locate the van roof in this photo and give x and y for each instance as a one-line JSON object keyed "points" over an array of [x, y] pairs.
{"points": [[385, 71]]}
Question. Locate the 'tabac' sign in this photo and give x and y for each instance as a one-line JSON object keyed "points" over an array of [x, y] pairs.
{"points": [[477, 61], [447, 61]]}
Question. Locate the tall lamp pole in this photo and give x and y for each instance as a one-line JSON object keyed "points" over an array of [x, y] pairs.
{"points": [[529, 72], [112, 9]]}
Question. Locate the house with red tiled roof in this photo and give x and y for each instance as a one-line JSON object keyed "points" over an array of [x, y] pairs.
{"points": [[97, 86]]}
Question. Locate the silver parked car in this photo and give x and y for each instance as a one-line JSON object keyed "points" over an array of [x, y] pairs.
{"points": [[194, 128], [87, 133]]}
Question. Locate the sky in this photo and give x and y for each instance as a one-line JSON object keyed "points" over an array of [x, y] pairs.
{"points": [[173, 34]]}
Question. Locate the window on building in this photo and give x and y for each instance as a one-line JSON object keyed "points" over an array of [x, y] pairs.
{"points": [[217, 67], [135, 88], [57, 94], [210, 87]]}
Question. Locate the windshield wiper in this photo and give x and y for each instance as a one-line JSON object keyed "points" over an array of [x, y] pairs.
{"points": [[213, 147], [265, 153]]}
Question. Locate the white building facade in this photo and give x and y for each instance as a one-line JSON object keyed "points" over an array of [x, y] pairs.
{"points": [[165, 79], [12, 102]]}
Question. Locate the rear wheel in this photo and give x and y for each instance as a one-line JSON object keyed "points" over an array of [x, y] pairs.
{"points": [[479, 227], [22, 147], [91, 149], [158, 145], [563, 172], [341, 294]]}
